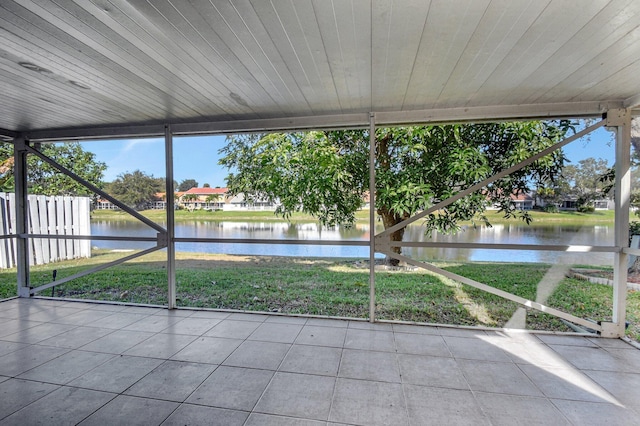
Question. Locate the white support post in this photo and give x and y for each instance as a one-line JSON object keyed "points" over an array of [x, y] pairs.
{"points": [[621, 120], [170, 206], [22, 217], [372, 218]]}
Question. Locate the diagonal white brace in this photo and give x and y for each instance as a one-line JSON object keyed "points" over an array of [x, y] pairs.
{"points": [[95, 189], [95, 269], [494, 178], [521, 300]]}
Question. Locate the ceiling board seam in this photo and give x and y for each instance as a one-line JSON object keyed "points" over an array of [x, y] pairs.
{"points": [[576, 70], [331, 68], [463, 50], [415, 57], [155, 82], [295, 53], [255, 40], [200, 81]]}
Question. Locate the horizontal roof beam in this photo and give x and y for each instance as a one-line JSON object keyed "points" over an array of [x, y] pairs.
{"points": [[8, 134], [633, 102], [498, 113], [384, 118], [202, 128]]}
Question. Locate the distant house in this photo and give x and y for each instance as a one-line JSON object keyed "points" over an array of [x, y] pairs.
{"points": [[605, 204], [599, 204], [103, 204], [203, 198], [239, 202], [159, 201], [571, 203], [522, 201]]}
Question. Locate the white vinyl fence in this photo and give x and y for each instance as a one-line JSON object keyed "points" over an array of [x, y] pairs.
{"points": [[47, 215]]}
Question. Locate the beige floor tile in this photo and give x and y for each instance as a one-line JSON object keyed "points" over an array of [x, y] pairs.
{"points": [[438, 406], [232, 387], [298, 395], [361, 402], [421, 344], [431, 371], [507, 410], [367, 365], [136, 411], [318, 360], [210, 350], [171, 381], [322, 336], [188, 414], [256, 354], [370, 340]]}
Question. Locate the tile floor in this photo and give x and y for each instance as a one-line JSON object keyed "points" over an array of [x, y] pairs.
{"points": [[94, 364]]}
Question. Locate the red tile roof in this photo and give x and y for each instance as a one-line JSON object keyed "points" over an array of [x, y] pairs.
{"points": [[207, 191]]}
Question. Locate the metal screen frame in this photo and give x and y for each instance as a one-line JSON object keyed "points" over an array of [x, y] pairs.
{"points": [[620, 119]]}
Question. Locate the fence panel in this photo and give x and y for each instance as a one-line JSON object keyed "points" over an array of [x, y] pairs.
{"points": [[12, 227], [54, 255], [49, 216], [6, 260], [35, 250], [84, 225], [62, 244], [68, 225]]}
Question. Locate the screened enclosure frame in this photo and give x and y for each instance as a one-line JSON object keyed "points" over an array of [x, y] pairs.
{"points": [[618, 119]]}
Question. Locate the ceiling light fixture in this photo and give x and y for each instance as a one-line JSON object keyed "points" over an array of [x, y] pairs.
{"points": [[78, 84], [33, 67]]}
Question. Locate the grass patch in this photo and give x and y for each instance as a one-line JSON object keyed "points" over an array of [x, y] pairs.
{"points": [[332, 287], [203, 215], [604, 217], [595, 301]]}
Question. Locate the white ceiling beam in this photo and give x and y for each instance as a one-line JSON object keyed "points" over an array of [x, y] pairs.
{"points": [[203, 128], [497, 113], [632, 102], [8, 134], [385, 118]]}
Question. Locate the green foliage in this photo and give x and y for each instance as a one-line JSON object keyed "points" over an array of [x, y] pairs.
{"points": [[135, 189], [588, 180], [44, 179], [585, 208], [187, 184], [326, 173], [308, 172]]}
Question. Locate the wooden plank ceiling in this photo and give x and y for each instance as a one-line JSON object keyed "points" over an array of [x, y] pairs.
{"points": [[98, 64]]}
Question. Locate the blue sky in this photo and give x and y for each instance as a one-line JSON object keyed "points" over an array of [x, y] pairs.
{"points": [[197, 157], [194, 158]]}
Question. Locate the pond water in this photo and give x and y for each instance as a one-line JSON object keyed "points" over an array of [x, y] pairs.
{"points": [[516, 233]]}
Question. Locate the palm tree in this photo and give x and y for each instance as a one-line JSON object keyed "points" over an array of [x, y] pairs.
{"points": [[212, 198]]}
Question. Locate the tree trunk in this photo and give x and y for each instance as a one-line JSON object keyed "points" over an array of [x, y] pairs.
{"points": [[390, 219]]}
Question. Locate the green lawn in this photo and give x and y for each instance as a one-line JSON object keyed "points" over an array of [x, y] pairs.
{"points": [[334, 287], [568, 218]]}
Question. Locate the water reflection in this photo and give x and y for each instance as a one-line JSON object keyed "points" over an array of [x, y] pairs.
{"points": [[516, 233]]}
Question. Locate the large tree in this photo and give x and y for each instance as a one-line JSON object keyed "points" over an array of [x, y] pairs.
{"points": [[187, 184], [586, 180], [136, 189], [326, 173], [44, 179]]}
